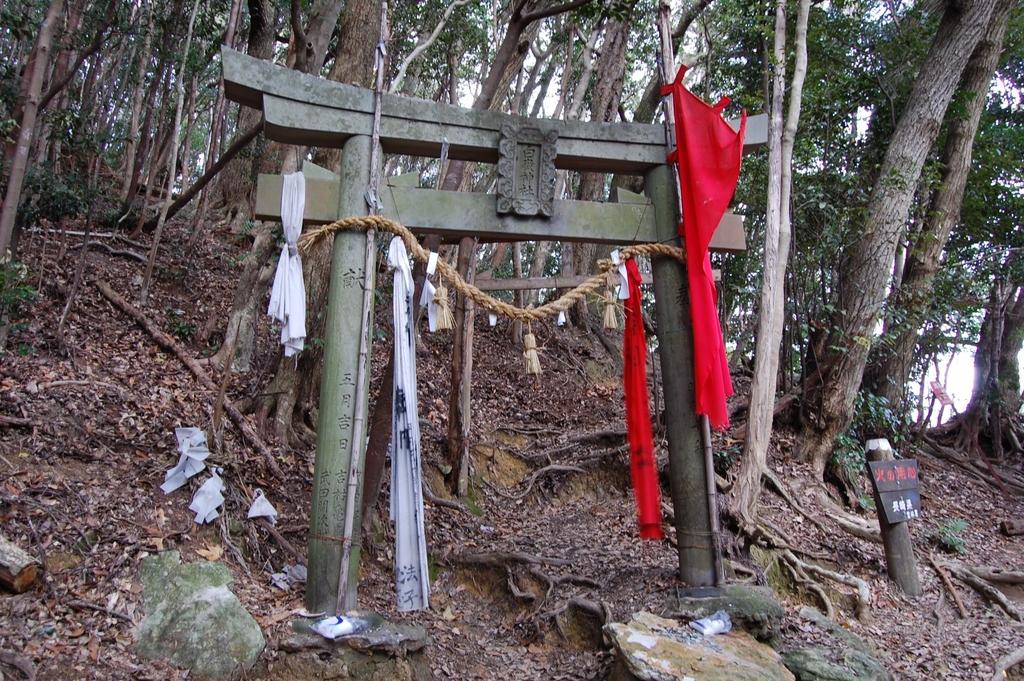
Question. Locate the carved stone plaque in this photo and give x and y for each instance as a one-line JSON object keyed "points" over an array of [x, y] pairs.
{"points": [[526, 171]]}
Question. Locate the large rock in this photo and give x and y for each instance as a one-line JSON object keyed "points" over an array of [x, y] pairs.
{"points": [[818, 664], [753, 608], [652, 648], [194, 620], [389, 651]]}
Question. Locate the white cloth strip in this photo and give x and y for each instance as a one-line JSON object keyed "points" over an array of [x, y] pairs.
{"points": [[288, 295], [412, 581], [623, 279], [427, 296]]}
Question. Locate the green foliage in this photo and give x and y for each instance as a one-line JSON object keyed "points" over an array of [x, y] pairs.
{"points": [[725, 457], [180, 326], [52, 196], [949, 536], [15, 290], [872, 415]]}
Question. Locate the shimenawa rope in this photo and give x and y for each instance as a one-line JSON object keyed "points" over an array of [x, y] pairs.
{"points": [[313, 238]]}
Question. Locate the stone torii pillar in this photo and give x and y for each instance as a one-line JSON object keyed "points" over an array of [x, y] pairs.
{"points": [[303, 109]]}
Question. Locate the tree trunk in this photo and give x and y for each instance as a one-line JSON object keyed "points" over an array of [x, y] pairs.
{"points": [[459, 395], [830, 390], [892, 362], [776, 253], [172, 163], [34, 74], [295, 388], [238, 179], [610, 72], [995, 397]]}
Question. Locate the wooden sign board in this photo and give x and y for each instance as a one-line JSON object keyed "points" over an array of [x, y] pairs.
{"points": [[941, 394], [898, 488]]}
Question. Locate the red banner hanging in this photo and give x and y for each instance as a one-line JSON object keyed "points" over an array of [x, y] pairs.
{"points": [[708, 153], [642, 465]]}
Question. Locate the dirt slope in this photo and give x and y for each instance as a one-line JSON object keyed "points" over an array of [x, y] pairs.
{"points": [[79, 489]]}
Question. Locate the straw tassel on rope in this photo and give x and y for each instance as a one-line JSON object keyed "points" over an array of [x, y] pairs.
{"points": [[611, 319], [445, 318], [530, 352]]}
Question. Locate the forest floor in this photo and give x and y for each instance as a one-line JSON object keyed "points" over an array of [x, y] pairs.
{"points": [[92, 435]]}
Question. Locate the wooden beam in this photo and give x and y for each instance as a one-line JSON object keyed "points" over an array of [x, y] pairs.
{"points": [[304, 109], [456, 214]]}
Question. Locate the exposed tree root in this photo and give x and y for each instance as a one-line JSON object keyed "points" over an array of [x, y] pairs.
{"points": [[578, 439], [19, 662], [803, 579], [985, 588], [599, 609], [997, 575], [992, 476], [1007, 661], [444, 503], [500, 559], [949, 586], [862, 589], [855, 525], [123, 253], [550, 468], [781, 490]]}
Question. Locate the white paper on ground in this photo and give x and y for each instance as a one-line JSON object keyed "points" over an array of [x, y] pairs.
{"points": [[192, 452], [261, 508], [208, 498]]}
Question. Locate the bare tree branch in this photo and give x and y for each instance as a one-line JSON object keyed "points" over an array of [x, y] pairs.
{"points": [[425, 43]]}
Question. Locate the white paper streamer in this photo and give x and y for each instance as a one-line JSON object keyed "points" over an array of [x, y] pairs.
{"points": [[427, 297], [288, 295], [412, 581], [623, 280], [208, 498], [261, 508], [492, 318], [192, 452], [561, 318]]}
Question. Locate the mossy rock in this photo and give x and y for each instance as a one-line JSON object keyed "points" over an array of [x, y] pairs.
{"points": [[753, 608], [194, 620], [651, 648], [819, 664]]}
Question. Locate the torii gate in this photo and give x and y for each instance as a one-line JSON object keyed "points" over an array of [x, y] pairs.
{"points": [[304, 109]]}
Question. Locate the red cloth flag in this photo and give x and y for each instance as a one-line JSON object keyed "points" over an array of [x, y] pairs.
{"points": [[708, 153], [642, 466]]}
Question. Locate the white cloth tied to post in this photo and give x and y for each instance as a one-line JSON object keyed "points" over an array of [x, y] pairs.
{"points": [[208, 499], [192, 452], [412, 581], [427, 297], [262, 508], [288, 295], [620, 264]]}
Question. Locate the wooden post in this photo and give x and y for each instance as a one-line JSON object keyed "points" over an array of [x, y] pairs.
{"points": [[687, 474], [342, 401], [896, 540]]}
